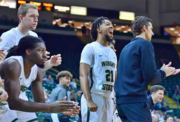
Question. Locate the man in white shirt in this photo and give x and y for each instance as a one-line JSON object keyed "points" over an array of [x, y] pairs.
{"points": [[28, 20]]}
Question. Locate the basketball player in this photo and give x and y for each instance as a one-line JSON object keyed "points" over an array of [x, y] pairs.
{"points": [[22, 68], [97, 74], [137, 69], [28, 20]]}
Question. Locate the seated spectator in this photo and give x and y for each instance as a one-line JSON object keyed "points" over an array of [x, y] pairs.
{"points": [[73, 84], [165, 107], [161, 116], [176, 95], [46, 95], [79, 95], [50, 79], [175, 119], [167, 116], [60, 92], [68, 93], [73, 96], [44, 78], [169, 119], [157, 95]]}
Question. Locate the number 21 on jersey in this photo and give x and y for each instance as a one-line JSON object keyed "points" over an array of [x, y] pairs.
{"points": [[109, 78]]}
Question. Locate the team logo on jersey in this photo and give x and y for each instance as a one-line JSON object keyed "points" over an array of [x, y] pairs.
{"points": [[23, 88], [108, 63], [107, 87], [3, 103]]}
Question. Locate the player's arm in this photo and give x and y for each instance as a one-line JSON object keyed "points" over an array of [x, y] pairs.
{"points": [[37, 89], [87, 57], [84, 72], [11, 73]]}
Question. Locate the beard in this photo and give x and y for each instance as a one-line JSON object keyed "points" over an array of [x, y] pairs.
{"points": [[108, 38], [40, 65]]}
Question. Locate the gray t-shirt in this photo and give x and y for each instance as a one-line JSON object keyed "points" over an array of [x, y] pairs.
{"points": [[58, 93]]}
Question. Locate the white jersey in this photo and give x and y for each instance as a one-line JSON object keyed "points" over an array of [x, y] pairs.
{"points": [[7, 115], [25, 82], [103, 62], [12, 37]]}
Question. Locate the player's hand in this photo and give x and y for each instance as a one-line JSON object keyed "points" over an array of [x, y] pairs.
{"points": [[3, 95], [2, 55], [74, 112], [56, 60], [92, 106], [168, 69], [66, 107], [47, 54]]}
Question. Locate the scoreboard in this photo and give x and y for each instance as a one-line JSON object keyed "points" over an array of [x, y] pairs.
{"points": [[40, 6], [74, 10]]}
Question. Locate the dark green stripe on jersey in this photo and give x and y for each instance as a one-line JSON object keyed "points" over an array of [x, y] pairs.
{"points": [[91, 76], [88, 115]]}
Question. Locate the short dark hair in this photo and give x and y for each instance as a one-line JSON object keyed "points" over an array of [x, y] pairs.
{"points": [[138, 23], [63, 74], [96, 24], [155, 88], [27, 42]]}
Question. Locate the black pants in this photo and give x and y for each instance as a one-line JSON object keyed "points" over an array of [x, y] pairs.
{"points": [[134, 112]]}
